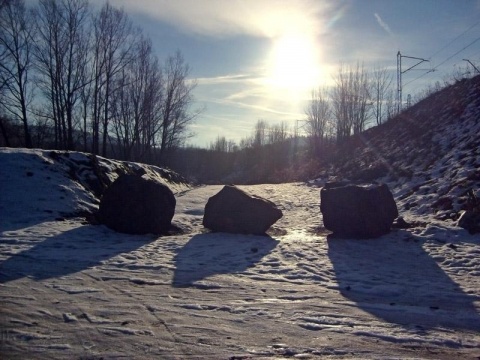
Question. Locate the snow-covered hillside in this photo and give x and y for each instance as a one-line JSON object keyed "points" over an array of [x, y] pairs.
{"points": [[429, 155], [73, 290]]}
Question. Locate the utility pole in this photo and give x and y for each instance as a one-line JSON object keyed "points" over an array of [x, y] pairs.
{"points": [[399, 75], [472, 65]]}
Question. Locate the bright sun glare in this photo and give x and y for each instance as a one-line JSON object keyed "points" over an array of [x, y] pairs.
{"points": [[293, 64]]}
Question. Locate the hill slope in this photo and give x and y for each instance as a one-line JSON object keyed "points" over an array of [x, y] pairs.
{"points": [[429, 154]]}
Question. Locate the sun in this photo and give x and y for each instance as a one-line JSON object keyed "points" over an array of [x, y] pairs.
{"points": [[293, 64]]}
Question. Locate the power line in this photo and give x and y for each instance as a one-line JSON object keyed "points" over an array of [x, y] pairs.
{"points": [[452, 41], [443, 48], [443, 62], [458, 52]]}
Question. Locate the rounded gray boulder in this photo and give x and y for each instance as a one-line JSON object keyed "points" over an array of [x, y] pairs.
{"points": [[358, 211], [134, 204], [234, 211]]}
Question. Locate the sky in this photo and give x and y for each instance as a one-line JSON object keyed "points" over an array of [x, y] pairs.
{"points": [[259, 59]]}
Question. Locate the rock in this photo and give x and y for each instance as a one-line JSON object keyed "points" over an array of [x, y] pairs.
{"points": [[134, 204], [470, 221], [68, 317], [234, 211], [336, 183], [373, 172], [358, 211], [400, 223]]}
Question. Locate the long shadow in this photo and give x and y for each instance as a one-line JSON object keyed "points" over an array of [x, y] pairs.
{"points": [[395, 279], [69, 252], [218, 253]]}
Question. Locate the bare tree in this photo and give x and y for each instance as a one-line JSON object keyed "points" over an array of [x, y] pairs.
{"points": [[137, 103], [3, 50], [84, 106], [427, 91], [178, 97], [114, 38], [278, 148], [460, 72], [391, 107], [15, 62], [278, 133], [340, 101], [381, 83], [318, 121], [360, 99], [260, 134], [95, 73], [351, 100], [220, 144], [123, 117], [4, 129], [149, 93], [61, 51]]}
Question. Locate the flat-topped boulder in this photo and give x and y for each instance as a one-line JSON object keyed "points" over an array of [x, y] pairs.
{"points": [[352, 211], [234, 211]]}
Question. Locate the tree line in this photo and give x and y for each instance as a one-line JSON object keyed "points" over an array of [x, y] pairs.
{"points": [[271, 153], [77, 78], [358, 99]]}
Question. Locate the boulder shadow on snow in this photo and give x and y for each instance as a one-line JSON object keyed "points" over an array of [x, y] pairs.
{"points": [[395, 279], [69, 252], [218, 253]]}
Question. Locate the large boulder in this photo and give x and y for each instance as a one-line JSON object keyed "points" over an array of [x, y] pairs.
{"points": [[134, 204], [234, 211], [470, 221], [358, 211]]}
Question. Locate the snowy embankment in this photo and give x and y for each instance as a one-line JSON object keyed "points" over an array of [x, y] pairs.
{"points": [[70, 289], [429, 154]]}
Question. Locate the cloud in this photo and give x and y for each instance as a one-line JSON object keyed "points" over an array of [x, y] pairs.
{"points": [[226, 79], [246, 96], [383, 24], [262, 108], [220, 18]]}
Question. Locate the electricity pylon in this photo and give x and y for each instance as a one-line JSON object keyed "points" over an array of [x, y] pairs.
{"points": [[399, 75]]}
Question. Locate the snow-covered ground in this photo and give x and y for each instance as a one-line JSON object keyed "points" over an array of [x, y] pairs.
{"points": [[72, 290]]}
